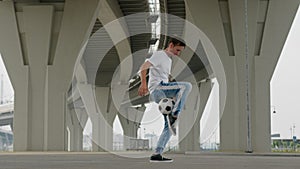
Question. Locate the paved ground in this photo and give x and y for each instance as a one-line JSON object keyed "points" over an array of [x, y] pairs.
{"points": [[38, 160]]}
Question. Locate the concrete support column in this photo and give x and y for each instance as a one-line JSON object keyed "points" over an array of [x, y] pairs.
{"points": [[195, 105], [130, 129], [205, 92], [19, 73], [238, 27], [76, 121], [97, 142], [40, 56], [189, 119], [68, 50], [88, 98], [265, 65], [98, 104], [37, 42], [130, 119], [107, 116], [210, 22], [77, 138], [224, 24]]}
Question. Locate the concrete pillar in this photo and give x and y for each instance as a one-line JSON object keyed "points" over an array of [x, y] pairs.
{"points": [[212, 26], [98, 104], [130, 119], [189, 134], [238, 27], [265, 65], [87, 95], [98, 143], [205, 91], [104, 102], [37, 42], [76, 121], [189, 119], [39, 46], [13, 58], [224, 24], [67, 51], [77, 139]]}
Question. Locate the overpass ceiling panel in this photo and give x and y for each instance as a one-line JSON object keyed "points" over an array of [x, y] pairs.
{"points": [[197, 63], [98, 55], [52, 1], [176, 7], [140, 50], [97, 26], [194, 65], [137, 23], [133, 6], [41, 1], [101, 74], [107, 68], [140, 42], [162, 6], [110, 61], [133, 3], [175, 1]]}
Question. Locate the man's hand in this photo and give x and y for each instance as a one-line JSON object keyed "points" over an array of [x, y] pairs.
{"points": [[143, 90]]}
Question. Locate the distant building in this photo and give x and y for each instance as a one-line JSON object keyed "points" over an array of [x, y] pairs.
{"points": [[6, 140], [118, 142], [87, 142], [153, 138]]}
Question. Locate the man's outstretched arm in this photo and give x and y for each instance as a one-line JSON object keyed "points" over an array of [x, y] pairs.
{"points": [[143, 89]]}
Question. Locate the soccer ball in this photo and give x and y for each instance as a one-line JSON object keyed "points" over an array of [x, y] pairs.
{"points": [[166, 105]]}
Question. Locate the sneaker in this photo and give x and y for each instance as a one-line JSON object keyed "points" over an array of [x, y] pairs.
{"points": [[159, 158], [172, 124]]}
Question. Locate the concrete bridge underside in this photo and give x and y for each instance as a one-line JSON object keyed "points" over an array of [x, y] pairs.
{"points": [[47, 47]]}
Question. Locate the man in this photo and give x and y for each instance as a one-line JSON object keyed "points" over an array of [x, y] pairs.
{"points": [[159, 87]]}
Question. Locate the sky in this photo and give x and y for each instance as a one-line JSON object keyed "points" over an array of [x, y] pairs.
{"points": [[285, 95], [8, 93], [285, 85]]}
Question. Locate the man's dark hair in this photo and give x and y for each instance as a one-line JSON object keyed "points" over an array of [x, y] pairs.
{"points": [[176, 41]]}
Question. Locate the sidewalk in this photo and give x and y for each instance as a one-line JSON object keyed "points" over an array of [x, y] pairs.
{"points": [[54, 160]]}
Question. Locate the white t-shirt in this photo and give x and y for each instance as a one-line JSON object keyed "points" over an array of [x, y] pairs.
{"points": [[160, 69]]}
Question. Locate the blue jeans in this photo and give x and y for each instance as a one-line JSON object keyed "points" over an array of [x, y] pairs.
{"points": [[177, 90]]}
